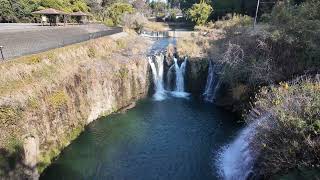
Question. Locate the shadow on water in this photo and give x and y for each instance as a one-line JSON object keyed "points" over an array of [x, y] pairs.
{"points": [[171, 139]]}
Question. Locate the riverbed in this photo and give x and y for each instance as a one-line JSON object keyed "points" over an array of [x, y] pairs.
{"points": [[178, 138]]}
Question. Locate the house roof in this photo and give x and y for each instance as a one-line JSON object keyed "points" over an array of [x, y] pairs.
{"points": [[50, 11], [79, 13]]}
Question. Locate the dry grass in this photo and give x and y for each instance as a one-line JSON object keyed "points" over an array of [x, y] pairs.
{"points": [[27, 74], [192, 47], [35, 89], [155, 26]]}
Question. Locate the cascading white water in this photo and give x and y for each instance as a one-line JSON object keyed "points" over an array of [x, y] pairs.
{"points": [[158, 77], [180, 72], [158, 72], [212, 85], [236, 160]]}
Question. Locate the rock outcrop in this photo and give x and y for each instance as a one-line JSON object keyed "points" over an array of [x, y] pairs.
{"points": [[47, 104]]}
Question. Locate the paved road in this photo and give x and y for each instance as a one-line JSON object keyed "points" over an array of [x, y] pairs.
{"points": [[24, 39]]}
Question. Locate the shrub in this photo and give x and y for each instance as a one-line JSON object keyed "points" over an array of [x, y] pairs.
{"points": [[155, 26], [58, 99], [108, 22], [199, 13], [92, 52], [116, 11], [234, 21], [134, 21], [9, 115], [121, 43], [290, 138]]}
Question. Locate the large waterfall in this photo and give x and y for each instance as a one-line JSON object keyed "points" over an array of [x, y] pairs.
{"points": [[180, 73], [157, 66], [213, 83], [236, 160], [157, 72]]}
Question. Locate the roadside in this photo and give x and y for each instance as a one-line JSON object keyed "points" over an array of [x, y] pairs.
{"points": [[24, 39]]}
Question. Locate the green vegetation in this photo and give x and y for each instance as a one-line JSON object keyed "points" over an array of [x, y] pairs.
{"points": [[123, 73], [121, 43], [10, 155], [20, 10], [45, 159], [286, 46], [57, 99], [252, 60], [293, 140], [9, 115], [159, 8], [116, 11], [92, 52], [199, 13]]}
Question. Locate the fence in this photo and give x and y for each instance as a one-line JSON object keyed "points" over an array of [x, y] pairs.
{"points": [[17, 44]]}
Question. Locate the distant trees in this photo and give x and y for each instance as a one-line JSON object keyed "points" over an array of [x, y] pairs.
{"points": [[159, 8], [16, 10], [20, 10], [115, 12], [199, 13]]}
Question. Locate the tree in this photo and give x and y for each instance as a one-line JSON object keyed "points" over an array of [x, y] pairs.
{"points": [[199, 13], [6, 12], [159, 8], [117, 10]]}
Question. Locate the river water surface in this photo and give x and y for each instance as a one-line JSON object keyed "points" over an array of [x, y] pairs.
{"points": [[176, 139]]}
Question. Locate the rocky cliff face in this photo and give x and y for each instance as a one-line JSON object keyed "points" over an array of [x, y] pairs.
{"points": [[48, 103], [197, 75]]}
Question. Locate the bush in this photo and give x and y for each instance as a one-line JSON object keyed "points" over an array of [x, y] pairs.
{"points": [[109, 22], [134, 21], [58, 99], [116, 11], [234, 21], [199, 13], [290, 138], [287, 47], [20, 10]]}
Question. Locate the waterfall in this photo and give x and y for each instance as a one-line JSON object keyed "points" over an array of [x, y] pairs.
{"points": [[157, 72], [236, 160], [213, 83], [157, 68], [180, 73], [179, 90]]}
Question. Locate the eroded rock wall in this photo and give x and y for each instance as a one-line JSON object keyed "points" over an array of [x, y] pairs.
{"points": [[41, 118]]}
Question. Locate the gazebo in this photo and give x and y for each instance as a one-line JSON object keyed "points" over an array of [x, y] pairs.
{"points": [[52, 15], [80, 16]]}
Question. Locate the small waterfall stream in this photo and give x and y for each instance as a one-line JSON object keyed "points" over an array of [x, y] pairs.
{"points": [[180, 73], [236, 160], [157, 73], [213, 83]]}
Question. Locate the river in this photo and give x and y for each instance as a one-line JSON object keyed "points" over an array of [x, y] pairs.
{"points": [[170, 139]]}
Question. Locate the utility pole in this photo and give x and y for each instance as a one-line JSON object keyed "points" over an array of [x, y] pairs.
{"points": [[255, 18]]}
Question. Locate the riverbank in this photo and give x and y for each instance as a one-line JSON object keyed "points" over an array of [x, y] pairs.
{"points": [[270, 76], [170, 139], [47, 99]]}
